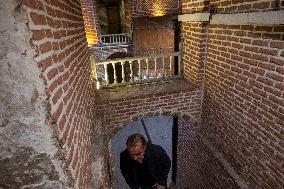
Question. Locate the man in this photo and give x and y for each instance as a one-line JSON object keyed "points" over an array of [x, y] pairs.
{"points": [[144, 165]]}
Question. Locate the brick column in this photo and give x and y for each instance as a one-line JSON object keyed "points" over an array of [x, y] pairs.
{"points": [[128, 6], [91, 21], [62, 55], [194, 37]]}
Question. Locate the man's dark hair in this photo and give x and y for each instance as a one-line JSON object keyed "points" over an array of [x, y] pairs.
{"points": [[134, 139]]}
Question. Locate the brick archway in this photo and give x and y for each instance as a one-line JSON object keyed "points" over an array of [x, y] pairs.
{"points": [[159, 130], [196, 164], [162, 130], [116, 113]]}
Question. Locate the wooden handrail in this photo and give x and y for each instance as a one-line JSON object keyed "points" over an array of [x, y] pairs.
{"points": [[136, 58], [155, 67]]}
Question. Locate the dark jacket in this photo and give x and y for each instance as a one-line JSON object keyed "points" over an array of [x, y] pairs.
{"points": [[158, 162]]}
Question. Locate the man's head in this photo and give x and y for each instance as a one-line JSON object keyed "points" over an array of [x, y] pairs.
{"points": [[136, 145]]}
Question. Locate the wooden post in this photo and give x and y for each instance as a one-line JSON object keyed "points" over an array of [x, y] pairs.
{"points": [[155, 60], [139, 69], [123, 74], [131, 70], [171, 59], [147, 68], [114, 73], [164, 70], [106, 74]]}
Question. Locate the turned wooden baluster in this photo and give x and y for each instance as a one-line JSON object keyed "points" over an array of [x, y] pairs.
{"points": [[106, 74], [179, 64], [164, 70], [131, 70], [123, 74], [171, 59], [139, 69], [155, 60], [114, 73], [147, 68]]}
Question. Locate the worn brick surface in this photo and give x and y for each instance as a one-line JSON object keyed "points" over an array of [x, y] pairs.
{"points": [[197, 167], [120, 106], [59, 36], [243, 104], [230, 6], [156, 8], [194, 41], [91, 21]]}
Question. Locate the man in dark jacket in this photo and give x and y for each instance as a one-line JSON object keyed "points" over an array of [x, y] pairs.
{"points": [[144, 165]]}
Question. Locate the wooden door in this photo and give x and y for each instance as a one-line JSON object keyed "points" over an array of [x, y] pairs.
{"points": [[113, 20]]}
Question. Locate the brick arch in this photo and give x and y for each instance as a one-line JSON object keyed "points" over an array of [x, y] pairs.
{"points": [[116, 112], [166, 137], [184, 117], [197, 166]]}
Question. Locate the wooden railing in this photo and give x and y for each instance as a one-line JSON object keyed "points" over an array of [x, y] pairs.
{"points": [[137, 69], [115, 39]]}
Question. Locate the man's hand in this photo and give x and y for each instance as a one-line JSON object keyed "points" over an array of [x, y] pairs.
{"points": [[159, 186]]}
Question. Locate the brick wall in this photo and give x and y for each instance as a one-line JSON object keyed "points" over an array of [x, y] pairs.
{"points": [[189, 6], [231, 6], [120, 112], [59, 38], [194, 39], [91, 21], [245, 6], [197, 167], [244, 100], [243, 103], [128, 7], [155, 8]]}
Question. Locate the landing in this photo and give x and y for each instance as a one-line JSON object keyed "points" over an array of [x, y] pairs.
{"points": [[143, 89]]}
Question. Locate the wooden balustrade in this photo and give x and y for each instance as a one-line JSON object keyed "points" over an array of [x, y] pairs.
{"points": [[115, 39], [137, 69]]}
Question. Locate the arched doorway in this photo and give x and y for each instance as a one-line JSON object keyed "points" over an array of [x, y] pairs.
{"points": [[194, 163], [158, 128]]}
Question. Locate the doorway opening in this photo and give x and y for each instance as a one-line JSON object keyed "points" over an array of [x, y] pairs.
{"points": [[111, 14], [161, 130]]}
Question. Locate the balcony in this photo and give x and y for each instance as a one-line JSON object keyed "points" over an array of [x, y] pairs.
{"points": [[132, 70], [115, 39]]}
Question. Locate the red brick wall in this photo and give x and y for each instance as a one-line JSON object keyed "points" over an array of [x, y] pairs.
{"points": [[128, 7], [194, 39], [189, 6], [197, 167], [230, 5], [117, 113], [244, 101], [59, 38], [91, 21], [120, 112], [155, 8], [245, 6]]}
